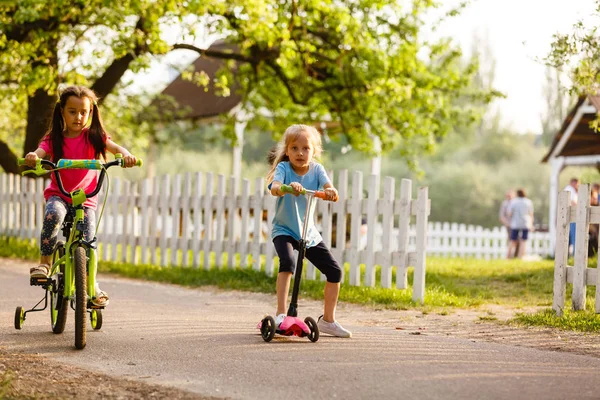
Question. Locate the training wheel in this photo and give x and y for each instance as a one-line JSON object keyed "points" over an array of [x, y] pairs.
{"points": [[19, 317], [314, 329], [267, 328], [96, 319]]}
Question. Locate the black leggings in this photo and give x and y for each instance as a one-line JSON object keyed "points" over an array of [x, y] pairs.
{"points": [[319, 255]]}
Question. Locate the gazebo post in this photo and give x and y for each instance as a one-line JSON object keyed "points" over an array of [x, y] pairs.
{"points": [[557, 165]]}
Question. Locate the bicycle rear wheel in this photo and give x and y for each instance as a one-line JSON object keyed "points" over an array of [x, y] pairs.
{"points": [[80, 262], [58, 306]]}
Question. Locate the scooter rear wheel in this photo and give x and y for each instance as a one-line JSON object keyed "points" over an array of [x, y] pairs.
{"points": [[267, 328], [314, 329]]}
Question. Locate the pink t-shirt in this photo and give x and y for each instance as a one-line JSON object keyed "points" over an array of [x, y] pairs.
{"points": [[77, 148]]}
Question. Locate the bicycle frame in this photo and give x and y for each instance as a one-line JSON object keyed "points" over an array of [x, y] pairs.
{"points": [[76, 239]]}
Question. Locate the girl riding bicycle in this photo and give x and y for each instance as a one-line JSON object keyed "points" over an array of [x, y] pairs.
{"points": [[75, 132], [292, 164]]}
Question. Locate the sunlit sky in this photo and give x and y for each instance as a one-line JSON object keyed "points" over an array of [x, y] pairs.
{"points": [[519, 33]]}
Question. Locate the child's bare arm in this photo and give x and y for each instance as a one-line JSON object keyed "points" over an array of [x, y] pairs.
{"points": [[130, 160], [276, 189]]}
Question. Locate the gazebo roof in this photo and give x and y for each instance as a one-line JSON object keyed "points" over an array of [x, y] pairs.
{"points": [[203, 103], [575, 137]]}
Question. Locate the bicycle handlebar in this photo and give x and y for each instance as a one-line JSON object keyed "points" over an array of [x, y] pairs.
{"points": [[317, 193], [75, 164]]}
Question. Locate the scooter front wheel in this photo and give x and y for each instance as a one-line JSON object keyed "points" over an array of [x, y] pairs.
{"points": [[267, 328], [313, 336]]}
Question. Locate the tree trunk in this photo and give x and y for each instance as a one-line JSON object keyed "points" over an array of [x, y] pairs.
{"points": [[39, 111], [8, 159]]}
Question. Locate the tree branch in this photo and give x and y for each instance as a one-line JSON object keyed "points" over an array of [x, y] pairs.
{"points": [[286, 82], [113, 74], [215, 54]]}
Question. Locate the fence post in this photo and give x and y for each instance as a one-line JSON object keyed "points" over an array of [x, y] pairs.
{"points": [[144, 232], [208, 219], [356, 222], [581, 246], [372, 213], [186, 207], [563, 218], [244, 238], [422, 214], [257, 206], [404, 222], [388, 226], [197, 207], [340, 231], [231, 216]]}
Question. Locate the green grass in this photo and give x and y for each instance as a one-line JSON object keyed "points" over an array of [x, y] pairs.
{"points": [[582, 321], [450, 284]]}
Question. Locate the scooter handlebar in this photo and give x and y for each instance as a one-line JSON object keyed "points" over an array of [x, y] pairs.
{"points": [[317, 193]]}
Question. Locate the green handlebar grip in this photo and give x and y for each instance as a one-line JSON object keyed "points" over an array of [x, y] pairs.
{"points": [[289, 189], [138, 163], [39, 170]]}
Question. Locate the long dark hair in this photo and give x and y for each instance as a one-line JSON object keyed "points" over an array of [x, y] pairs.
{"points": [[96, 135]]}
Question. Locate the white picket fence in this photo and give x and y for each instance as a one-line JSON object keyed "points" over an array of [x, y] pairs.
{"points": [[579, 274], [197, 219], [469, 241]]}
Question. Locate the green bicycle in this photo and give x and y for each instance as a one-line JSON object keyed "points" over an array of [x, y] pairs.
{"points": [[72, 275]]}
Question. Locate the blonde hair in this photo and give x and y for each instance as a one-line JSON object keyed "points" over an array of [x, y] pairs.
{"points": [[277, 154]]}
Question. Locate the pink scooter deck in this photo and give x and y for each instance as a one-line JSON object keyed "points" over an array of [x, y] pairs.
{"points": [[291, 326]]}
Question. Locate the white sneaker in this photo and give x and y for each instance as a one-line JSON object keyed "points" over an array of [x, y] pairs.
{"points": [[333, 328], [279, 319]]}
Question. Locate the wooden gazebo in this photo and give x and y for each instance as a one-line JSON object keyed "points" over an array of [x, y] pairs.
{"points": [[575, 144]]}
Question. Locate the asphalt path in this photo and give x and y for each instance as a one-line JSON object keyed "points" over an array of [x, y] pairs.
{"points": [[206, 341]]}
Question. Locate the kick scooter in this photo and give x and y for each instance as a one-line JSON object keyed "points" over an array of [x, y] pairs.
{"points": [[292, 325]]}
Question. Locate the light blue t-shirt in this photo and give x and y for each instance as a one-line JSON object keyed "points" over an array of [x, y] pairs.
{"points": [[289, 209]]}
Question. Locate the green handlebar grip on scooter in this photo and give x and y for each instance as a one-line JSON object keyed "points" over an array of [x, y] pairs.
{"points": [[20, 161], [288, 189]]}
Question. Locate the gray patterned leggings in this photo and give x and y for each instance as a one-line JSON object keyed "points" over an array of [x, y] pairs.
{"points": [[56, 211]]}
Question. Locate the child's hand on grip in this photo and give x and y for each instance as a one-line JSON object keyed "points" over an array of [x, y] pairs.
{"points": [[297, 187], [30, 159], [129, 161], [332, 194]]}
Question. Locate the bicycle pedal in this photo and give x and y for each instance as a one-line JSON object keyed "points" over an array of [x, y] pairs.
{"points": [[92, 306], [40, 281]]}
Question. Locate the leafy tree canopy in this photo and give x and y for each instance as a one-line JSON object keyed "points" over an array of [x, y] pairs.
{"points": [[578, 53], [362, 65]]}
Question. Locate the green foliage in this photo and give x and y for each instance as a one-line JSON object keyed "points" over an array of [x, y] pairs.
{"points": [[577, 52], [360, 64]]}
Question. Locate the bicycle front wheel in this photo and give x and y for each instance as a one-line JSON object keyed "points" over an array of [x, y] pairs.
{"points": [[58, 305], [80, 262]]}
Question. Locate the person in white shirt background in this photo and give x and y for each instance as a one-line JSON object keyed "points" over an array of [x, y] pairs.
{"points": [[572, 188]]}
